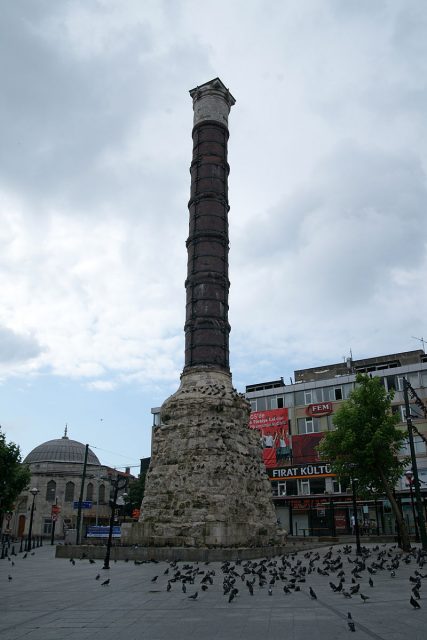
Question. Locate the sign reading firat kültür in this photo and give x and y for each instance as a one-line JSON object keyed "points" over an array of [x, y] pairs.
{"points": [[303, 471]]}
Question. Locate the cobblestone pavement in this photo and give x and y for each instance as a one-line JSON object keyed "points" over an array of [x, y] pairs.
{"points": [[48, 598]]}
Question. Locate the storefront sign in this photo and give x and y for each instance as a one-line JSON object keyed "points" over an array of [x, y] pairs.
{"points": [[321, 409], [303, 471]]}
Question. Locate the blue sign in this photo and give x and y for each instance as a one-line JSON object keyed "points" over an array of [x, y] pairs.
{"points": [[87, 504], [102, 532]]}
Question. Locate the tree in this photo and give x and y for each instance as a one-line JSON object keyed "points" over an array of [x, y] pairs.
{"points": [[14, 476], [366, 443], [135, 494]]}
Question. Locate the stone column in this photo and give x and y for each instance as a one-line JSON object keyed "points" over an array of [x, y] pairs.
{"points": [[206, 327], [207, 484]]}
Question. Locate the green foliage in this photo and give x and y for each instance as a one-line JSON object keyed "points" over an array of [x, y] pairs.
{"points": [[135, 494], [14, 476], [366, 440]]}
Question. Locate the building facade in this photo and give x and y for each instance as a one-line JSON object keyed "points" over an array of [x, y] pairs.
{"points": [[56, 472], [292, 419]]}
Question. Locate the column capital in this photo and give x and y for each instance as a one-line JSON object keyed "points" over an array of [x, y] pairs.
{"points": [[212, 101]]}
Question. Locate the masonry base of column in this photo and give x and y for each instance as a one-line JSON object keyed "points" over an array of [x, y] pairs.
{"points": [[207, 485]]}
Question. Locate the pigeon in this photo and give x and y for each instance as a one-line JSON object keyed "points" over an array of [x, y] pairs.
{"points": [[154, 579], [9, 577], [416, 593], [184, 588], [169, 587], [91, 561], [351, 625], [371, 582], [364, 598], [270, 590], [105, 583], [312, 593], [194, 596], [414, 603], [205, 587], [97, 576]]}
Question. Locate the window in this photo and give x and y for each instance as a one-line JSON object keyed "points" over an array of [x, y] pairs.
{"points": [[317, 485], [281, 488], [101, 493], [89, 492], [308, 397], [291, 487], [299, 398], [304, 487], [280, 402], [419, 445], [47, 526], [271, 402], [336, 486], [261, 404], [51, 491], [338, 393], [69, 492], [308, 425], [253, 405]]}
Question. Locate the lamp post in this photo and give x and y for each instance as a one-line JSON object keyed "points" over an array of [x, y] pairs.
{"points": [[421, 522], [356, 521], [410, 478], [34, 492], [119, 483]]}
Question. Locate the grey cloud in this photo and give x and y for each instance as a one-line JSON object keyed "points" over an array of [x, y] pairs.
{"points": [[16, 348]]}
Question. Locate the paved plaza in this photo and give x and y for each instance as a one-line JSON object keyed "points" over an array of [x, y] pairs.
{"points": [[44, 598]]}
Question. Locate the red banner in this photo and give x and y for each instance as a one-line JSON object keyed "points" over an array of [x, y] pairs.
{"points": [[273, 426], [304, 447]]}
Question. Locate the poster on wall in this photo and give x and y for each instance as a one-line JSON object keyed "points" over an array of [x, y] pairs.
{"points": [[273, 426], [304, 447]]}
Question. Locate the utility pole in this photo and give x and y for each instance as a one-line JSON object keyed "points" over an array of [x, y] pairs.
{"points": [[79, 510], [416, 481]]}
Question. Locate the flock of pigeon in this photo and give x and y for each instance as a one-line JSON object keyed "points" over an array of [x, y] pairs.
{"points": [[342, 568]]}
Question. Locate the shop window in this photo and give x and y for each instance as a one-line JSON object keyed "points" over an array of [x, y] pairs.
{"points": [[291, 487], [281, 488], [51, 491], [304, 487], [317, 485], [69, 492], [89, 492]]}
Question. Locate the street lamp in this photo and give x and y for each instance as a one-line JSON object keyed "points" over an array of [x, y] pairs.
{"points": [[356, 521], [119, 483], [410, 478], [34, 492]]}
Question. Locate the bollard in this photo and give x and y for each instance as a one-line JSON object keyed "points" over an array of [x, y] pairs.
{"points": [[20, 546], [2, 552], [41, 541], [13, 551]]}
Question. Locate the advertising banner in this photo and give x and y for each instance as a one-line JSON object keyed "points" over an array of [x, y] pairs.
{"points": [[304, 447], [273, 426]]}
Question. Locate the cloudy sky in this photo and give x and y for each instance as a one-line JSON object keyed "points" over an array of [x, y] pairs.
{"points": [[328, 194]]}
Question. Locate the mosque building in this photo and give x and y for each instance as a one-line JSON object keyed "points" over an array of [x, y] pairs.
{"points": [[56, 473]]}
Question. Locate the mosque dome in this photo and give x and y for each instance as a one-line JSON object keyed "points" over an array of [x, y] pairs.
{"points": [[61, 450]]}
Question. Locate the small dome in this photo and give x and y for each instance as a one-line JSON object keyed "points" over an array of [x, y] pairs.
{"points": [[61, 450]]}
